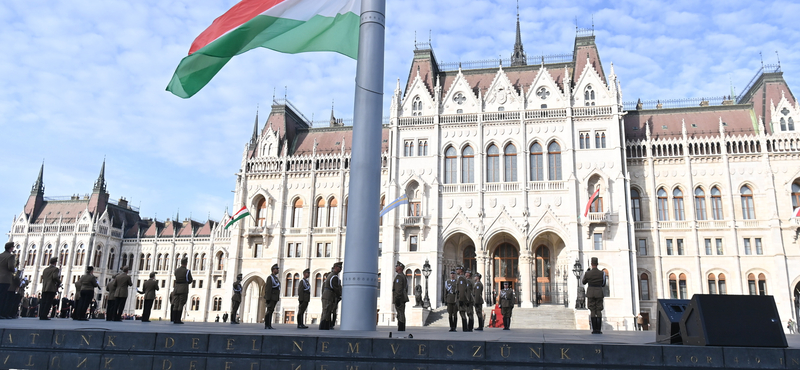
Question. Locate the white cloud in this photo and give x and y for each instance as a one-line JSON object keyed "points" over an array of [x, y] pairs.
{"points": [[83, 79]]}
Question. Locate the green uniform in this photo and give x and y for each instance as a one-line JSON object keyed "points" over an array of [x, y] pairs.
{"points": [[450, 294], [507, 301], [399, 298]]}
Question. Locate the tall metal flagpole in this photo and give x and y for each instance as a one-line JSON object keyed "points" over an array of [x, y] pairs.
{"points": [[360, 277]]}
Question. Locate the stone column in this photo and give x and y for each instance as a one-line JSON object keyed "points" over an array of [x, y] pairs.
{"points": [[525, 276]]}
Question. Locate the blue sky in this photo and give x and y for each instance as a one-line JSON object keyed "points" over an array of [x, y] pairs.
{"points": [[81, 80]]}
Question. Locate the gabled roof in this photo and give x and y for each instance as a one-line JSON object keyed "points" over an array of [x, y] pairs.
{"points": [[700, 122]]}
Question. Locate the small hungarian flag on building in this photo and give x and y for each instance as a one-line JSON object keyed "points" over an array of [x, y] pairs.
{"points": [[242, 213], [796, 212], [287, 26], [591, 200]]}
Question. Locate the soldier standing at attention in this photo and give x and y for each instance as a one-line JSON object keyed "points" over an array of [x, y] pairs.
{"points": [[596, 279], [7, 263], [464, 290], [183, 277], [470, 300], [87, 283], [122, 282], [149, 290], [451, 294], [51, 279], [111, 303], [303, 297], [507, 301], [236, 300], [477, 298], [331, 294], [400, 295], [272, 294]]}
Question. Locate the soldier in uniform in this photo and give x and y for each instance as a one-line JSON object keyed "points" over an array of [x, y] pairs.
{"points": [[7, 265], [122, 283], [236, 300], [451, 294], [303, 297], [149, 289], [470, 300], [183, 277], [77, 304], [507, 301], [464, 288], [477, 298], [596, 279], [87, 283], [51, 279], [331, 294], [111, 303], [272, 294], [400, 295]]}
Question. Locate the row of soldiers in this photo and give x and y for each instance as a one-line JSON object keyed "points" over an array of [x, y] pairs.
{"points": [[331, 295], [464, 294]]}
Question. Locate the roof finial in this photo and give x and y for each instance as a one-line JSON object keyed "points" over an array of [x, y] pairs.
{"points": [[273, 95], [38, 186], [100, 184], [762, 59], [779, 58], [518, 57]]}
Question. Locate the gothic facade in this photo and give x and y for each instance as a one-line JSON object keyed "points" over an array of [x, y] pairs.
{"points": [[499, 162]]}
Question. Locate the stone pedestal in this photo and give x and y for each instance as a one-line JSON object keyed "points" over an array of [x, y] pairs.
{"points": [[417, 316]]}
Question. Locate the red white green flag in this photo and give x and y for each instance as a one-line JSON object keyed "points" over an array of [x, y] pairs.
{"points": [[591, 200], [287, 26], [242, 213]]}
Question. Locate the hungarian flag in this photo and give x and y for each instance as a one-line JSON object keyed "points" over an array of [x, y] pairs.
{"points": [[591, 200], [242, 213], [796, 212], [287, 26]]}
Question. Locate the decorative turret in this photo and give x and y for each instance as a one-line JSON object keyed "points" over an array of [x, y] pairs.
{"points": [[38, 186], [100, 183], [99, 199], [254, 138], [518, 58], [36, 198]]}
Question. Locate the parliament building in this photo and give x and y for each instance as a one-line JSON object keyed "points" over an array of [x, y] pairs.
{"points": [[499, 160]]}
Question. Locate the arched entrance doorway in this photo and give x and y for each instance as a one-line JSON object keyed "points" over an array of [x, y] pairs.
{"points": [[459, 250], [551, 269], [253, 307], [505, 266], [796, 301]]}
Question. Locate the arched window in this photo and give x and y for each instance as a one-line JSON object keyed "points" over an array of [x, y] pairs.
{"points": [[125, 260], [603, 139], [537, 167], [597, 140], [416, 106], [644, 287], [31, 260], [147, 262], [723, 288], [588, 95], [791, 124], [297, 212], [195, 304], [751, 284], [450, 170], [261, 212], [217, 304], [333, 212], [98, 255], [141, 261], [607, 287], [220, 261], [510, 162], [712, 284], [554, 161], [748, 208], [80, 254], [62, 256], [203, 262], [409, 277], [783, 124], [682, 287], [542, 262], [469, 258], [196, 261], [468, 165], [317, 285], [677, 204], [663, 206], [111, 257], [597, 203], [580, 140], [166, 262], [716, 203], [157, 304], [295, 284], [287, 292], [159, 261], [319, 219], [795, 195], [48, 253], [636, 205], [700, 204], [673, 286], [762, 280], [493, 164]]}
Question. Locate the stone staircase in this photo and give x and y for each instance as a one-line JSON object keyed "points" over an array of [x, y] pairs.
{"points": [[542, 317]]}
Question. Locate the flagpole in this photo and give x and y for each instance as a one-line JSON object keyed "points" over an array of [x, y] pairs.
{"points": [[360, 277]]}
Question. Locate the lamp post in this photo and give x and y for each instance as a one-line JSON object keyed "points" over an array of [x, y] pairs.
{"points": [[426, 271], [577, 269]]}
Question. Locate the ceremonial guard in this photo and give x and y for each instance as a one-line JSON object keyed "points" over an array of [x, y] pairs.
{"points": [[16, 290], [303, 297], [77, 303], [51, 279], [507, 301], [236, 300], [87, 284], [272, 294], [451, 294], [122, 283], [7, 263], [464, 288], [183, 277], [331, 295], [111, 301], [149, 289], [477, 299], [596, 279], [400, 295], [470, 300]]}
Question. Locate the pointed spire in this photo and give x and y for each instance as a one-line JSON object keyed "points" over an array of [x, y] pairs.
{"points": [[100, 184], [38, 186], [647, 129], [254, 138], [518, 58]]}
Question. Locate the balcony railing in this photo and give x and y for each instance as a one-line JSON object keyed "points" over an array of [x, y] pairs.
{"points": [[459, 118], [599, 217], [749, 224], [546, 113], [501, 116], [324, 230], [713, 224], [502, 186], [683, 225], [546, 185], [416, 121], [641, 225], [591, 111], [296, 230], [412, 220], [459, 188]]}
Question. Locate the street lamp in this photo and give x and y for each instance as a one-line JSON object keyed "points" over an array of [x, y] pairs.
{"points": [[426, 271], [577, 269]]}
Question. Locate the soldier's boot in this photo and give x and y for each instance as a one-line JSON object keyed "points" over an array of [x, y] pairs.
{"points": [[452, 324], [177, 316], [401, 326], [171, 316], [509, 323], [464, 326], [480, 323], [471, 323], [598, 325], [268, 322], [323, 325]]}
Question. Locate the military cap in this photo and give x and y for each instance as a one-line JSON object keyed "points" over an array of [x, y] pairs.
{"points": [[53, 260], [307, 270], [505, 283], [400, 264], [478, 274], [468, 272], [275, 266], [460, 268], [184, 260], [239, 276], [594, 261], [338, 264], [9, 246], [152, 274], [452, 271]]}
